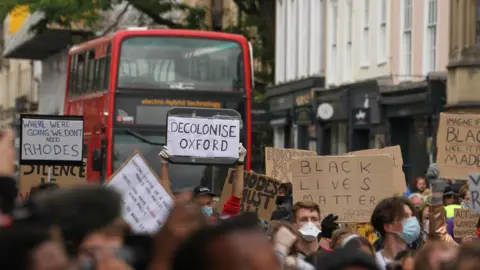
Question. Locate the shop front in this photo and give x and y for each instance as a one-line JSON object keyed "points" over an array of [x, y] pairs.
{"points": [[412, 112], [331, 120], [348, 118], [366, 128], [291, 113]]}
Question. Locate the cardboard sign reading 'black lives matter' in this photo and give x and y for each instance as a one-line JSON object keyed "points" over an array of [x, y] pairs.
{"points": [[259, 193], [203, 137], [51, 139], [347, 186], [458, 143]]}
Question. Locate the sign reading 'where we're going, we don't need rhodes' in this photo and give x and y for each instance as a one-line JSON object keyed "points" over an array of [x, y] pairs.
{"points": [[51, 139]]}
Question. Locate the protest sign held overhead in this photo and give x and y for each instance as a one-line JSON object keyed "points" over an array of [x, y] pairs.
{"points": [[62, 175], [259, 193], [203, 133], [277, 162], [465, 223], [399, 183], [348, 186], [50, 139], [146, 204], [458, 143], [474, 189]]}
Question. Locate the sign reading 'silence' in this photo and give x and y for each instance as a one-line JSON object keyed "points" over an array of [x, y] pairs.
{"points": [[203, 137], [51, 139]]}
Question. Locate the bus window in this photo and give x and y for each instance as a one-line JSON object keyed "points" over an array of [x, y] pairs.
{"points": [[181, 63], [80, 80], [106, 77], [73, 73], [97, 76], [91, 72]]}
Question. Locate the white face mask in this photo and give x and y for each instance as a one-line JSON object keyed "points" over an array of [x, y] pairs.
{"points": [[309, 231]]}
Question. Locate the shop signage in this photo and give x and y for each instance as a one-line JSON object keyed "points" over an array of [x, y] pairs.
{"points": [[325, 111], [303, 116], [303, 99], [361, 117]]}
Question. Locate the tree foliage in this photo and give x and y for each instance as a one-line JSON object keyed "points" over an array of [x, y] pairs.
{"points": [[257, 20]]}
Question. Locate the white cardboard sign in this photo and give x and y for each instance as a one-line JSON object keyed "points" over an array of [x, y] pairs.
{"points": [[51, 139], [474, 189], [203, 137], [146, 204]]}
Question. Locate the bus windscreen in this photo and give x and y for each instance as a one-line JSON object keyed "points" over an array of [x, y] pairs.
{"points": [[184, 63]]}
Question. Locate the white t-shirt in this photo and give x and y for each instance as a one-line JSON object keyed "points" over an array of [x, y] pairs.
{"points": [[381, 260]]}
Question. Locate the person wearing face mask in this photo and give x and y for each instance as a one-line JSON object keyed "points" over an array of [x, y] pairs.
{"points": [[306, 220], [284, 203], [464, 196], [395, 219], [205, 197]]}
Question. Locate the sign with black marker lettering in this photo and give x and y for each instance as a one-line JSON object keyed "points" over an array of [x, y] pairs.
{"points": [[62, 175], [146, 204], [458, 144], [474, 189], [277, 162], [348, 186], [465, 223], [51, 139], [259, 193], [203, 137], [399, 183]]}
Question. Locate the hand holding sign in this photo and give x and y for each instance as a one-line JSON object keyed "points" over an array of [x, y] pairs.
{"points": [[242, 153], [164, 154]]}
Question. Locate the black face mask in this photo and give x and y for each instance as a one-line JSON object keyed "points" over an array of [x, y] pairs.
{"points": [[283, 200]]}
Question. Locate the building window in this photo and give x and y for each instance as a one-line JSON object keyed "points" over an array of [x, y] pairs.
{"points": [[333, 43], [383, 31], [366, 33], [348, 54], [431, 43], [407, 38]]}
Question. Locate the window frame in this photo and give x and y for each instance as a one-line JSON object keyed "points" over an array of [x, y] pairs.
{"points": [[430, 39], [406, 33], [383, 33], [365, 36]]}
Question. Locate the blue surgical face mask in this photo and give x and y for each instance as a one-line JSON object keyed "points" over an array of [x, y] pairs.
{"points": [[207, 210], [411, 230]]}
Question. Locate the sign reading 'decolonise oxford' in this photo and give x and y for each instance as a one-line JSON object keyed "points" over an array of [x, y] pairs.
{"points": [[203, 137], [347, 186], [458, 144], [50, 139]]}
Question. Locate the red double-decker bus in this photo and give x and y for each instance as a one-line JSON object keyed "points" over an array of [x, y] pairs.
{"points": [[125, 83]]}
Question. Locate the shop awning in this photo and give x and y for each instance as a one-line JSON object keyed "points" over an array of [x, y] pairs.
{"points": [[27, 44]]}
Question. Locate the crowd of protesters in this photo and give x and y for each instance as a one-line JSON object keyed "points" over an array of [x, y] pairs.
{"points": [[82, 228]]}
